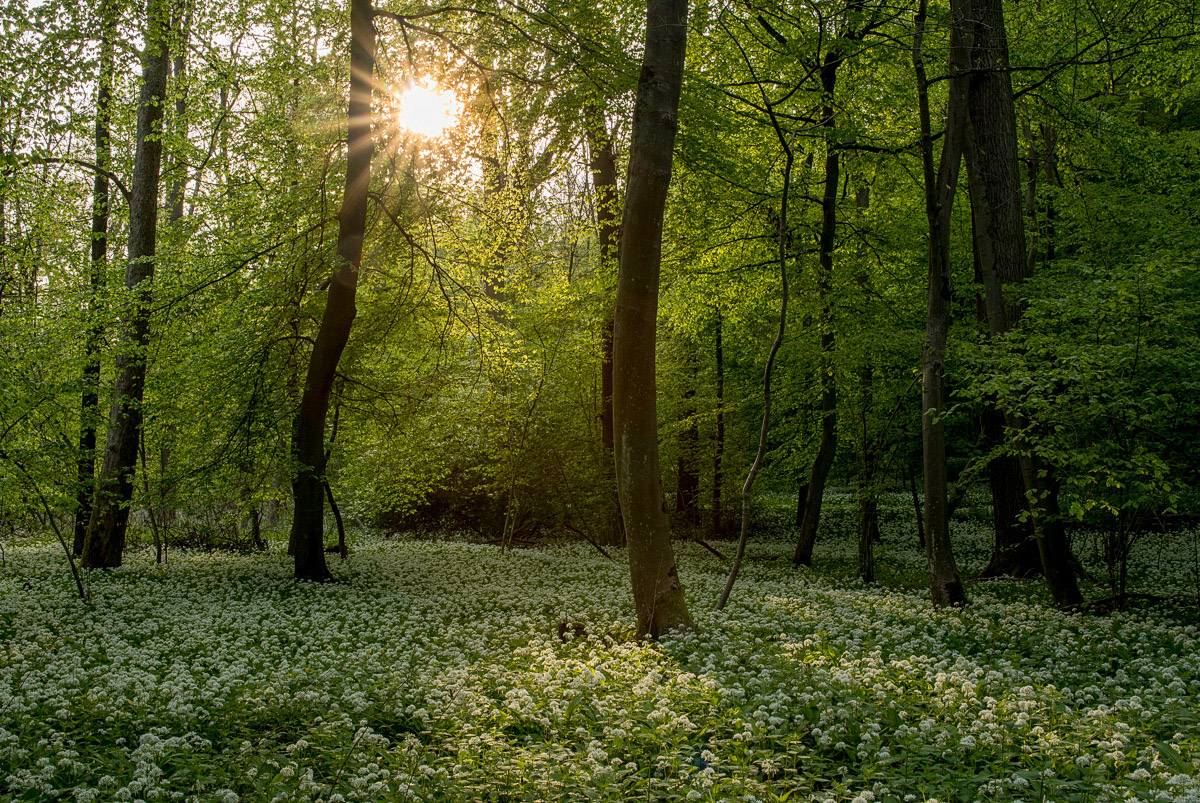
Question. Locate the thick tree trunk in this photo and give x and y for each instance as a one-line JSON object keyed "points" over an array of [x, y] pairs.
{"points": [[944, 582], [97, 268], [657, 591], [176, 194], [993, 163], [719, 446], [827, 451], [104, 541], [308, 518], [1014, 552], [999, 246], [608, 223]]}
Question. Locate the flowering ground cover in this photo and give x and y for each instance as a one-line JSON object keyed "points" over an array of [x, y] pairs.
{"points": [[436, 671]]}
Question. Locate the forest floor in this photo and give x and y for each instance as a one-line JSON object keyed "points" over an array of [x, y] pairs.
{"points": [[436, 671]]}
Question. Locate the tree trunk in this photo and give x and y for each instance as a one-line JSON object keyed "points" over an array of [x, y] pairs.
{"points": [[719, 446], [993, 164], [604, 179], [176, 193], [657, 591], [945, 585], [1014, 552], [1058, 563], [868, 497], [827, 451], [104, 541], [98, 267], [911, 480], [765, 428], [687, 485], [308, 518]]}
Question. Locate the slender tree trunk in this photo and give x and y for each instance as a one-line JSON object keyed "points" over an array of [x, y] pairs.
{"points": [[308, 445], [910, 478], [801, 503], [719, 446], [98, 268], [827, 450], [657, 591], [687, 485], [764, 429], [868, 499], [608, 223], [945, 585], [1053, 181], [105, 537]]}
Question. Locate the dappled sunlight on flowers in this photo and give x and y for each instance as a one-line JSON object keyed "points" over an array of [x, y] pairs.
{"points": [[437, 671]]}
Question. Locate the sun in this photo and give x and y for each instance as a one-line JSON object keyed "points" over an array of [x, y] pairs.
{"points": [[426, 110]]}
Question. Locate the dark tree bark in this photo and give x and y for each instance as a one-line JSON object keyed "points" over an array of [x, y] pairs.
{"points": [[993, 164], [827, 450], [104, 541], [719, 446], [1014, 552], [687, 484], [308, 444], [604, 179], [657, 591], [944, 582], [999, 246], [910, 479], [868, 496], [97, 268]]}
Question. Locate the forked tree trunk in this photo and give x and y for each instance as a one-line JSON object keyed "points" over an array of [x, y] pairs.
{"points": [[97, 268], [944, 582], [827, 451], [608, 223], [308, 518], [104, 541], [657, 591]]}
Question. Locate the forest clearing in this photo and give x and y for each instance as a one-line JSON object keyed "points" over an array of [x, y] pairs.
{"points": [[762, 400], [438, 670]]}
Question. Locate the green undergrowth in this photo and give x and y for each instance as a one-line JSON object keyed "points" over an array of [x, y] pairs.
{"points": [[436, 671]]}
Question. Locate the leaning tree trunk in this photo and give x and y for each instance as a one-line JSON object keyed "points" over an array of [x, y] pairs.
{"points": [[98, 267], [608, 224], [104, 541], [657, 591], [308, 444], [827, 451], [993, 163], [945, 585]]}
